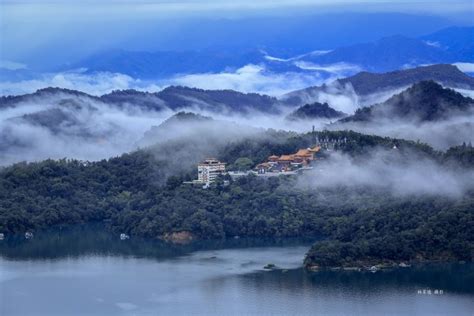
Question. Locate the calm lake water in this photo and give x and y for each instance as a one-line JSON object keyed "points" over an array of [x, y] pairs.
{"points": [[84, 272]]}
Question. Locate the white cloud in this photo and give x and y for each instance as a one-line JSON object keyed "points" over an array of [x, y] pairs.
{"points": [[278, 59], [337, 68], [434, 44], [440, 135], [402, 173], [11, 65], [94, 84], [251, 78], [466, 67]]}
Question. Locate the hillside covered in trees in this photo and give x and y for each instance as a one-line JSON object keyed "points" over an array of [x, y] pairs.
{"points": [[314, 110], [143, 194]]}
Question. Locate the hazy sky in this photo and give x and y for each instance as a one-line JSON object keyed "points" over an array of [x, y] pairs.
{"points": [[32, 11]]}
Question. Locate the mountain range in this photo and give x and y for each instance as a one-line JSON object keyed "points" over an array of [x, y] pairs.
{"points": [[55, 106], [56, 122], [171, 98], [425, 112], [279, 35], [365, 85], [163, 64], [449, 45]]}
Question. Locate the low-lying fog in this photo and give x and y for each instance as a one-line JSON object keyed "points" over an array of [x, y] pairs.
{"points": [[87, 129], [402, 174], [90, 131], [440, 135]]}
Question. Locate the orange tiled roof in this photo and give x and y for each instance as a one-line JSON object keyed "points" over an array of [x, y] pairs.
{"points": [[286, 157], [303, 152], [315, 149]]}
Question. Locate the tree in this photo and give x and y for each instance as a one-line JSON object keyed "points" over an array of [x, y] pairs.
{"points": [[243, 163]]}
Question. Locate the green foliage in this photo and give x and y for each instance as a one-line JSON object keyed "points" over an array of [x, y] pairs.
{"points": [[462, 156], [243, 163]]}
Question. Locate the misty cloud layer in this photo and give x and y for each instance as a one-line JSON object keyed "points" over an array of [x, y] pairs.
{"points": [[81, 129], [95, 84], [440, 135], [86, 128], [402, 174], [250, 78], [454, 130], [93, 130]]}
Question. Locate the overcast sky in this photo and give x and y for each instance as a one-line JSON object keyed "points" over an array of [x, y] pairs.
{"points": [[42, 8]]}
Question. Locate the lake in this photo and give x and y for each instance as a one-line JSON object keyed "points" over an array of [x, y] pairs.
{"points": [[91, 272]]}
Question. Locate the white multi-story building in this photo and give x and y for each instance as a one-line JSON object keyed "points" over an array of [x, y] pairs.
{"points": [[209, 169]]}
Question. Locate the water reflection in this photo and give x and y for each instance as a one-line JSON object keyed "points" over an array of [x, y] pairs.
{"points": [[86, 272], [452, 278], [86, 240]]}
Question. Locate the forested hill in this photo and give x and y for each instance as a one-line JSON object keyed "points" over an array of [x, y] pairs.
{"points": [[424, 102], [314, 110], [135, 195], [179, 97], [448, 75]]}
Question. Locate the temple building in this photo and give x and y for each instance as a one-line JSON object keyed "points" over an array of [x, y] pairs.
{"points": [[285, 163]]}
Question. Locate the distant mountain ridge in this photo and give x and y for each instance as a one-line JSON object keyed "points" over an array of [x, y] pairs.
{"points": [[177, 98], [116, 121], [395, 52], [161, 64], [454, 39], [365, 84], [41, 94], [388, 53], [173, 98], [426, 101]]}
